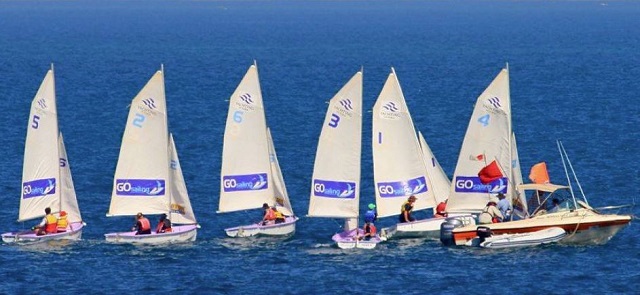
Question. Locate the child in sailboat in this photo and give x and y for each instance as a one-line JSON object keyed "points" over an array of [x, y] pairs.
{"points": [[407, 208], [164, 225], [143, 226], [48, 225], [62, 222]]}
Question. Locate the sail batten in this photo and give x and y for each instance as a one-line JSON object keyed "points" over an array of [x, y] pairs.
{"points": [[335, 187]]}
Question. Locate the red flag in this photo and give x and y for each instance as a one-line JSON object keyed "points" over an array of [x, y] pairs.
{"points": [[490, 173], [539, 173], [479, 157]]}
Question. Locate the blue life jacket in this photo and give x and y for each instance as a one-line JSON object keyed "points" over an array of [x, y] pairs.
{"points": [[370, 216]]}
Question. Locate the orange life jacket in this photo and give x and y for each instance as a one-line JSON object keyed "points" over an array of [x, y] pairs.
{"points": [[52, 224], [145, 224], [372, 229], [271, 214]]}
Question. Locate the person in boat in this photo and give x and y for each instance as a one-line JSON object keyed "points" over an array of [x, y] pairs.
{"points": [[490, 213], [269, 215], [279, 217], [555, 206], [371, 215], [369, 231], [504, 206], [48, 225], [441, 210], [164, 225], [143, 226], [62, 222], [406, 209], [536, 202]]}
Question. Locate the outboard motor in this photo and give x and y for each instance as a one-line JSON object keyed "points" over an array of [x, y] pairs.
{"points": [[483, 232], [446, 230]]}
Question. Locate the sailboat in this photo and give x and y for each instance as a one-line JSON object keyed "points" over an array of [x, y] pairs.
{"points": [[335, 187], [490, 139], [251, 174], [148, 177], [400, 164], [46, 174]]}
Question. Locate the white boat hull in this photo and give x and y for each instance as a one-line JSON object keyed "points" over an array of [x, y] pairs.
{"points": [[583, 227], [545, 236], [29, 237], [351, 240], [281, 229], [426, 228], [179, 234]]}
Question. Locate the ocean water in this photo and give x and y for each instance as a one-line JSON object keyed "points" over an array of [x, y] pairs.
{"points": [[574, 69]]}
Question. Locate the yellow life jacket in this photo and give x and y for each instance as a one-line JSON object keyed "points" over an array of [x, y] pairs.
{"points": [[278, 214], [62, 223]]}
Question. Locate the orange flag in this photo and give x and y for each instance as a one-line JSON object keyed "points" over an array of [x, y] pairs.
{"points": [[490, 173], [539, 173]]}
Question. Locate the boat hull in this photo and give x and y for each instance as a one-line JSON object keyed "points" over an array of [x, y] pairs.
{"points": [[583, 227], [545, 236], [179, 234], [350, 240], [30, 237], [281, 229], [425, 228]]}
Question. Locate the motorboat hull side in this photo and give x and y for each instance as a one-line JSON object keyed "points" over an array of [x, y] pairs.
{"points": [[583, 227]]}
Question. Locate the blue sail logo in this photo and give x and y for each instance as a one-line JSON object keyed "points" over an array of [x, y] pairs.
{"points": [[402, 188], [38, 188], [334, 189], [140, 187], [247, 182], [472, 184]]}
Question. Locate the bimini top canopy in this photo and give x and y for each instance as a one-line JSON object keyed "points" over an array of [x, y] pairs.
{"points": [[545, 187]]}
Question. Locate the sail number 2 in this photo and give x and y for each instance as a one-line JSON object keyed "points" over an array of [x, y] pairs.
{"points": [[138, 120]]}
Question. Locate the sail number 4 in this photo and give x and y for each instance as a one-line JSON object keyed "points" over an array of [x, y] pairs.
{"points": [[484, 120]]}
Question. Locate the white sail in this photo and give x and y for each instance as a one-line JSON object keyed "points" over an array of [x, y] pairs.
{"points": [[68, 201], [335, 188], [487, 139], [440, 183], [141, 181], [40, 171], [246, 172], [180, 206], [398, 166], [516, 171], [279, 187]]}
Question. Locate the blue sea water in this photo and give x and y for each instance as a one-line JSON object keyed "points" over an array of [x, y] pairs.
{"points": [[574, 69]]}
